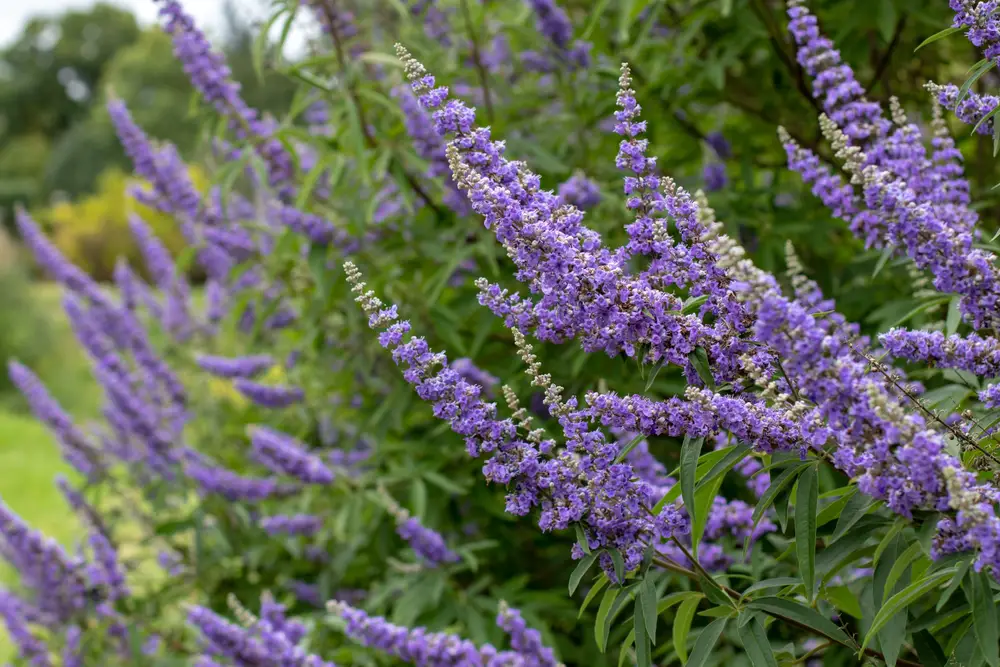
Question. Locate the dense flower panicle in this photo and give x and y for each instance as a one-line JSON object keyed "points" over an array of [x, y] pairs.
{"points": [[15, 615], [234, 367], [428, 544], [260, 645], [418, 646], [292, 524], [980, 17], [285, 455], [234, 487], [475, 375], [54, 263], [525, 641], [56, 579], [834, 83], [77, 449], [211, 77], [159, 263], [269, 396], [429, 146], [973, 353], [971, 110], [579, 191], [562, 485]]}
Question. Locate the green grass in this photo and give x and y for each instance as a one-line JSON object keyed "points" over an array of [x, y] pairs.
{"points": [[29, 456]]}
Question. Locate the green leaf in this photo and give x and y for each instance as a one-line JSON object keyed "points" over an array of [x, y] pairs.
{"points": [[984, 617], [706, 641], [777, 582], [619, 563], [843, 599], [777, 485], [856, 507], [581, 538], [580, 571], [888, 539], [900, 564], [648, 600], [883, 260], [800, 613], [901, 600], [703, 499], [595, 590], [693, 304], [755, 643], [734, 456], [928, 650], [682, 626], [939, 35], [613, 598], [956, 581], [980, 69], [927, 305], [641, 637], [714, 592], [805, 529], [699, 360], [705, 464], [835, 509], [629, 447], [690, 451]]}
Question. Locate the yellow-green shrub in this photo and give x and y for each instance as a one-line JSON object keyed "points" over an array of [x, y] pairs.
{"points": [[93, 231]]}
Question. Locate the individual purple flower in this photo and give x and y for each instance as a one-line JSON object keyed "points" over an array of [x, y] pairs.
{"points": [[234, 367], [284, 455], [269, 396]]}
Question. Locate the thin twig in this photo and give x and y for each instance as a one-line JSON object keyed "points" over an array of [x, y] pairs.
{"points": [[477, 60], [331, 23], [883, 61]]}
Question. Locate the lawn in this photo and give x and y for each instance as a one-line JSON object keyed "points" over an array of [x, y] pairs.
{"points": [[29, 456]]}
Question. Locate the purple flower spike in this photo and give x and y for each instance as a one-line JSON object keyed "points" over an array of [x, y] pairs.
{"points": [[234, 367], [269, 396]]}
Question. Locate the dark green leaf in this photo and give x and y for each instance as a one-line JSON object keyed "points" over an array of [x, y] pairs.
{"points": [[682, 626], [755, 643], [980, 69], [690, 451], [902, 599], [734, 456], [633, 443], [706, 642], [940, 35], [648, 600], [800, 613], [642, 653], [713, 591], [856, 507], [956, 581], [928, 650], [805, 529], [619, 563], [580, 571], [699, 360], [984, 617]]}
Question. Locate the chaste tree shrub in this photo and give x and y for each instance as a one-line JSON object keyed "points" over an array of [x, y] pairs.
{"points": [[671, 453]]}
